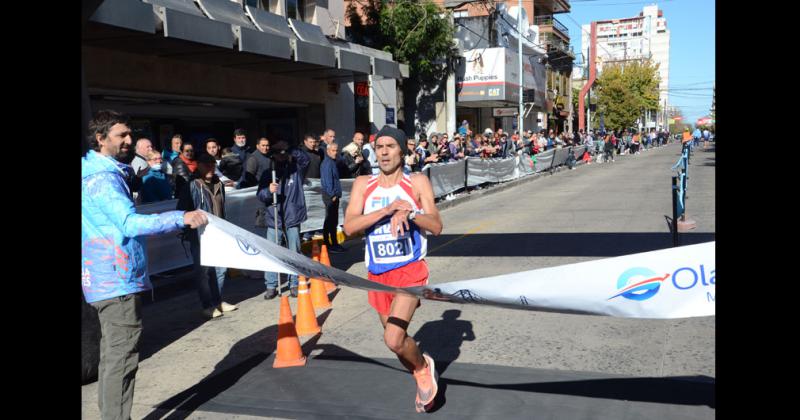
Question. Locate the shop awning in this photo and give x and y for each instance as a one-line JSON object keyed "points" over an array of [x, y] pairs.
{"points": [[347, 63], [183, 20], [249, 38], [385, 68], [224, 33], [128, 14], [310, 46]]}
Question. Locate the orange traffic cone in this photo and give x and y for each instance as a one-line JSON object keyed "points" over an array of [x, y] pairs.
{"points": [[306, 319], [324, 259], [289, 352], [319, 296], [323, 255]]}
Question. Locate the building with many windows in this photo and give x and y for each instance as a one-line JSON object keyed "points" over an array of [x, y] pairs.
{"points": [[635, 38]]}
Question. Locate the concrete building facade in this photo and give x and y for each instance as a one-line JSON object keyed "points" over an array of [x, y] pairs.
{"points": [[547, 63], [635, 38]]}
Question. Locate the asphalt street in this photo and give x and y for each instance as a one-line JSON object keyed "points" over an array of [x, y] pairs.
{"points": [[494, 362]]}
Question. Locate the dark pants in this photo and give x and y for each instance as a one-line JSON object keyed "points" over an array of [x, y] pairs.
{"points": [[331, 220], [120, 329], [609, 153], [571, 160]]}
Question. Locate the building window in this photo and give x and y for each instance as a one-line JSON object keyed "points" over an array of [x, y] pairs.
{"points": [[254, 4], [461, 13], [294, 9]]}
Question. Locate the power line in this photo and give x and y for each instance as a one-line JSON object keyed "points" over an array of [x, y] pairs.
{"points": [[679, 89], [480, 35], [588, 33], [696, 83], [511, 25], [689, 95], [699, 100]]}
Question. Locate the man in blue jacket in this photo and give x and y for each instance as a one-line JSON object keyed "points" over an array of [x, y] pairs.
{"points": [[290, 165], [113, 258], [331, 194]]}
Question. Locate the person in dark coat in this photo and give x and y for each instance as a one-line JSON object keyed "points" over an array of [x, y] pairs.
{"points": [[257, 163], [290, 165], [184, 166], [230, 165], [243, 150], [311, 148]]}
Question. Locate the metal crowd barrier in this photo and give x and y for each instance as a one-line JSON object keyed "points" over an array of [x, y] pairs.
{"points": [[679, 192], [166, 252]]}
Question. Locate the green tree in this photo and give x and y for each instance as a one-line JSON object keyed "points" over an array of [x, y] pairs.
{"points": [[642, 79], [624, 92], [415, 32], [615, 100], [365, 30]]}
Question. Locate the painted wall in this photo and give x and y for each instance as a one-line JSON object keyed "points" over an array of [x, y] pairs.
{"points": [[340, 111], [384, 95]]}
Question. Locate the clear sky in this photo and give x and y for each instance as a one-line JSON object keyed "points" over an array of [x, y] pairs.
{"points": [[692, 44]]}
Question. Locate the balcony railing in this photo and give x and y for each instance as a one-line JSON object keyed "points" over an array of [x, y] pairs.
{"points": [[554, 42], [551, 21]]}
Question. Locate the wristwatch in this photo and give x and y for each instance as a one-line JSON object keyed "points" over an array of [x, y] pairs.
{"points": [[413, 214]]}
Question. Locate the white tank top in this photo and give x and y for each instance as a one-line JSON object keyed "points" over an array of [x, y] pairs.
{"points": [[385, 252]]}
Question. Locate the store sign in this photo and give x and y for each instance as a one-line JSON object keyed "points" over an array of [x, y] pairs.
{"points": [[362, 89], [492, 74], [704, 121], [483, 76], [505, 112]]}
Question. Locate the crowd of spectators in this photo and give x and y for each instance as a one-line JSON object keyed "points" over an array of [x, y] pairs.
{"points": [[155, 178]]}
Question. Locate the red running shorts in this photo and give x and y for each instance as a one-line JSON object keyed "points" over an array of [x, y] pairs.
{"points": [[414, 274]]}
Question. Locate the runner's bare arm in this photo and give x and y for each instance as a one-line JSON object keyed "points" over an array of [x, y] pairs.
{"points": [[354, 219], [431, 220]]}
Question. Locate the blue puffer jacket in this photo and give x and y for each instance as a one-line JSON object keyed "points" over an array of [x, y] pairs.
{"points": [[291, 197], [114, 261]]}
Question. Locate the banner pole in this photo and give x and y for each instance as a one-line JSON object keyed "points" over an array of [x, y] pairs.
{"points": [[466, 175], [674, 211], [275, 212], [683, 187]]}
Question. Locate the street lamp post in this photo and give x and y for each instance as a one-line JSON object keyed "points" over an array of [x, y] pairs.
{"points": [[519, 38], [451, 92]]}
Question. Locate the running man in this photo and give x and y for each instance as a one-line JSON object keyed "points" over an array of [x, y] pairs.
{"points": [[395, 210]]}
